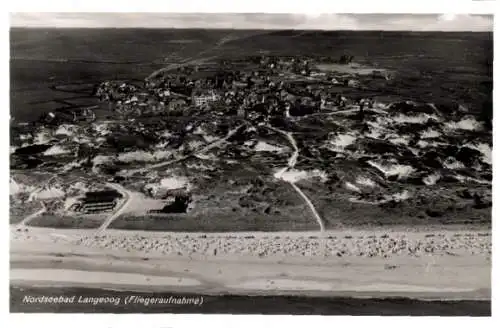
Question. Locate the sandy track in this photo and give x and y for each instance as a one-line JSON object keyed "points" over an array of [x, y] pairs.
{"points": [[120, 210], [311, 206], [291, 164]]}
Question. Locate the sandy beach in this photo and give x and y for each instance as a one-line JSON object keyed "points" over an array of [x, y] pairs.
{"points": [[441, 264]]}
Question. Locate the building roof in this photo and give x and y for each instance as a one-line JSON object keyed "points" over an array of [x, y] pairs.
{"points": [[103, 194], [202, 92], [100, 203]]}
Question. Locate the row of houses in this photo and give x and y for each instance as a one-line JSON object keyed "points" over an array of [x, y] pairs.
{"points": [[235, 90]]}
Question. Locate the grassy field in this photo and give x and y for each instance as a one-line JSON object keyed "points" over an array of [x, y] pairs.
{"points": [[17, 212], [66, 222], [420, 210], [217, 222], [14, 219]]}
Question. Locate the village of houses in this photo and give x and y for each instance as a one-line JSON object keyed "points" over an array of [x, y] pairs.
{"points": [[261, 85]]}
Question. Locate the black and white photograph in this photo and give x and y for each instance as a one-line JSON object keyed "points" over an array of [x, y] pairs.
{"points": [[251, 163]]}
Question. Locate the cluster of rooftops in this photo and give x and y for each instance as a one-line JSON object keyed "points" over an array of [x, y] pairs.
{"points": [[287, 86]]}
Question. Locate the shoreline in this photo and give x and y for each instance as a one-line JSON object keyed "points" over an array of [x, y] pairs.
{"points": [[269, 286], [55, 258]]}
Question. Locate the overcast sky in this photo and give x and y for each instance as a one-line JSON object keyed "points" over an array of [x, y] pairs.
{"points": [[413, 22]]}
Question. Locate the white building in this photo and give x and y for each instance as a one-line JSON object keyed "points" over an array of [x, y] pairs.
{"points": [[203, 99]]}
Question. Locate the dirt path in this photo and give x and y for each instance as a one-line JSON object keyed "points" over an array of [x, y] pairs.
{"points": [[311, 206], [292, 161], [197, 152], [196, 58], [119, 211], [192, 60]]}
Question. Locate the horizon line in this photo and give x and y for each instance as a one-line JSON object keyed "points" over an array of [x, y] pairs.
{"points": [[237, 29]]}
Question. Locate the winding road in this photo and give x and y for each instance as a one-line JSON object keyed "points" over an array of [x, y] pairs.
{"points": [[292, 161]]}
